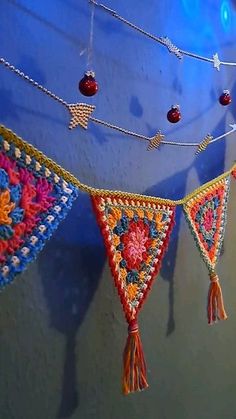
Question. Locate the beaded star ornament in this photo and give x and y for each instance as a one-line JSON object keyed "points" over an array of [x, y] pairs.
{"points": [[206, 212], [33, 201], [136, 236]]}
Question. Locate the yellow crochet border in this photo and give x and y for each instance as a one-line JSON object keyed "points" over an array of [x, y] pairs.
{"points": [[69, 177]]}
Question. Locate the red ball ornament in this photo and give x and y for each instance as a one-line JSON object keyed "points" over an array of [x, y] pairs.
{"points": [[174, 115], [88, 86], [225, 98]]}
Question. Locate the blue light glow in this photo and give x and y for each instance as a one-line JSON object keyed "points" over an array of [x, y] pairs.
{"points": [[225, 15], [191, 7]]}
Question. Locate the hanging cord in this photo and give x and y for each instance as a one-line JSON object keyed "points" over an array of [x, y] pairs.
{"points": [[91, 37], [165, 41], [33, 82], [144, 137], [105, 123]]}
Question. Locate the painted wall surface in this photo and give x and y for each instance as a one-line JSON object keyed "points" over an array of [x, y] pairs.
{"points": [[62, 330]]}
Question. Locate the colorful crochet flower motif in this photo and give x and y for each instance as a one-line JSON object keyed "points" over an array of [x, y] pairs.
{"points": [[206, 215], [136, 242], [136, 237], [206, 220], [33, 200]]}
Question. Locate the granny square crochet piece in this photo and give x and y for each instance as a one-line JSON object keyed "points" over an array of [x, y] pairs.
{"points": [[33, 201], [206, 214], [136, 236]]}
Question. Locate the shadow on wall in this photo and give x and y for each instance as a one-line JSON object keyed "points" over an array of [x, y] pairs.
{"points": [[72, 263], [9, 108], [168, 265], [70, 268], [205, 163], [13, 110], [135, 107], [110, 27], [30, 67], [206, 170], [45, 22]]}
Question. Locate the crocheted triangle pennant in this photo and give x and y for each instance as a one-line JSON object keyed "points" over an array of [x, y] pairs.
{"points": [[136, 236], [206, 213], [33, 201]]}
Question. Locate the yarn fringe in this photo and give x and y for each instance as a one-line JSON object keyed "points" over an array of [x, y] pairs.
{"points": [[215, 308], [134, 373]]}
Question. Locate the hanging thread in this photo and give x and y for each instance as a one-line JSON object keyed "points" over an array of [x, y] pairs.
{"points": [[91, 36], [76, 109]]}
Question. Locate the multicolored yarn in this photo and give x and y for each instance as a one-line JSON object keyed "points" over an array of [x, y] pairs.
{"points": [[136, 236], [33, 201], [69, 177], [206, 213], [233, 172], [36, 194]]}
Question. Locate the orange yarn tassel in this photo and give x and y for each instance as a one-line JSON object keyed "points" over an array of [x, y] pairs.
{"points": [[215, 308], [134, 374]]}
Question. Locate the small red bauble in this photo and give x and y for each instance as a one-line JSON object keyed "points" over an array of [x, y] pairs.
{"points": [[88, 86], [174, 115], [225, 98]]}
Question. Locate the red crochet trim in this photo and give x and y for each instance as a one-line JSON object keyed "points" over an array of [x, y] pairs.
{"points": [[96, 201]]}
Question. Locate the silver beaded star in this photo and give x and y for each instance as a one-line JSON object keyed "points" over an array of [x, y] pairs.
{"points": [[217, 62]]}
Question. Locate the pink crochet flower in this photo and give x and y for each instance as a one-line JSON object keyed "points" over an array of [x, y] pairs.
{"points": [[136, 241], [35, 198]]}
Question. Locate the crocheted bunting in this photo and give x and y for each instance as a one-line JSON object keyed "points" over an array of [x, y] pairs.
{"points": [[206, 213], [136, 235], [33, 201]]}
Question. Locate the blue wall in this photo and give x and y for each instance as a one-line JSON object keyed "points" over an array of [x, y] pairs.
{"points": [[62, 330]]}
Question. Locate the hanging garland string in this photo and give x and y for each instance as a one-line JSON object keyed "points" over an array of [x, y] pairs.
{"points": [[165, 41], [69, 177], [81, 115], [36, 195]]}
